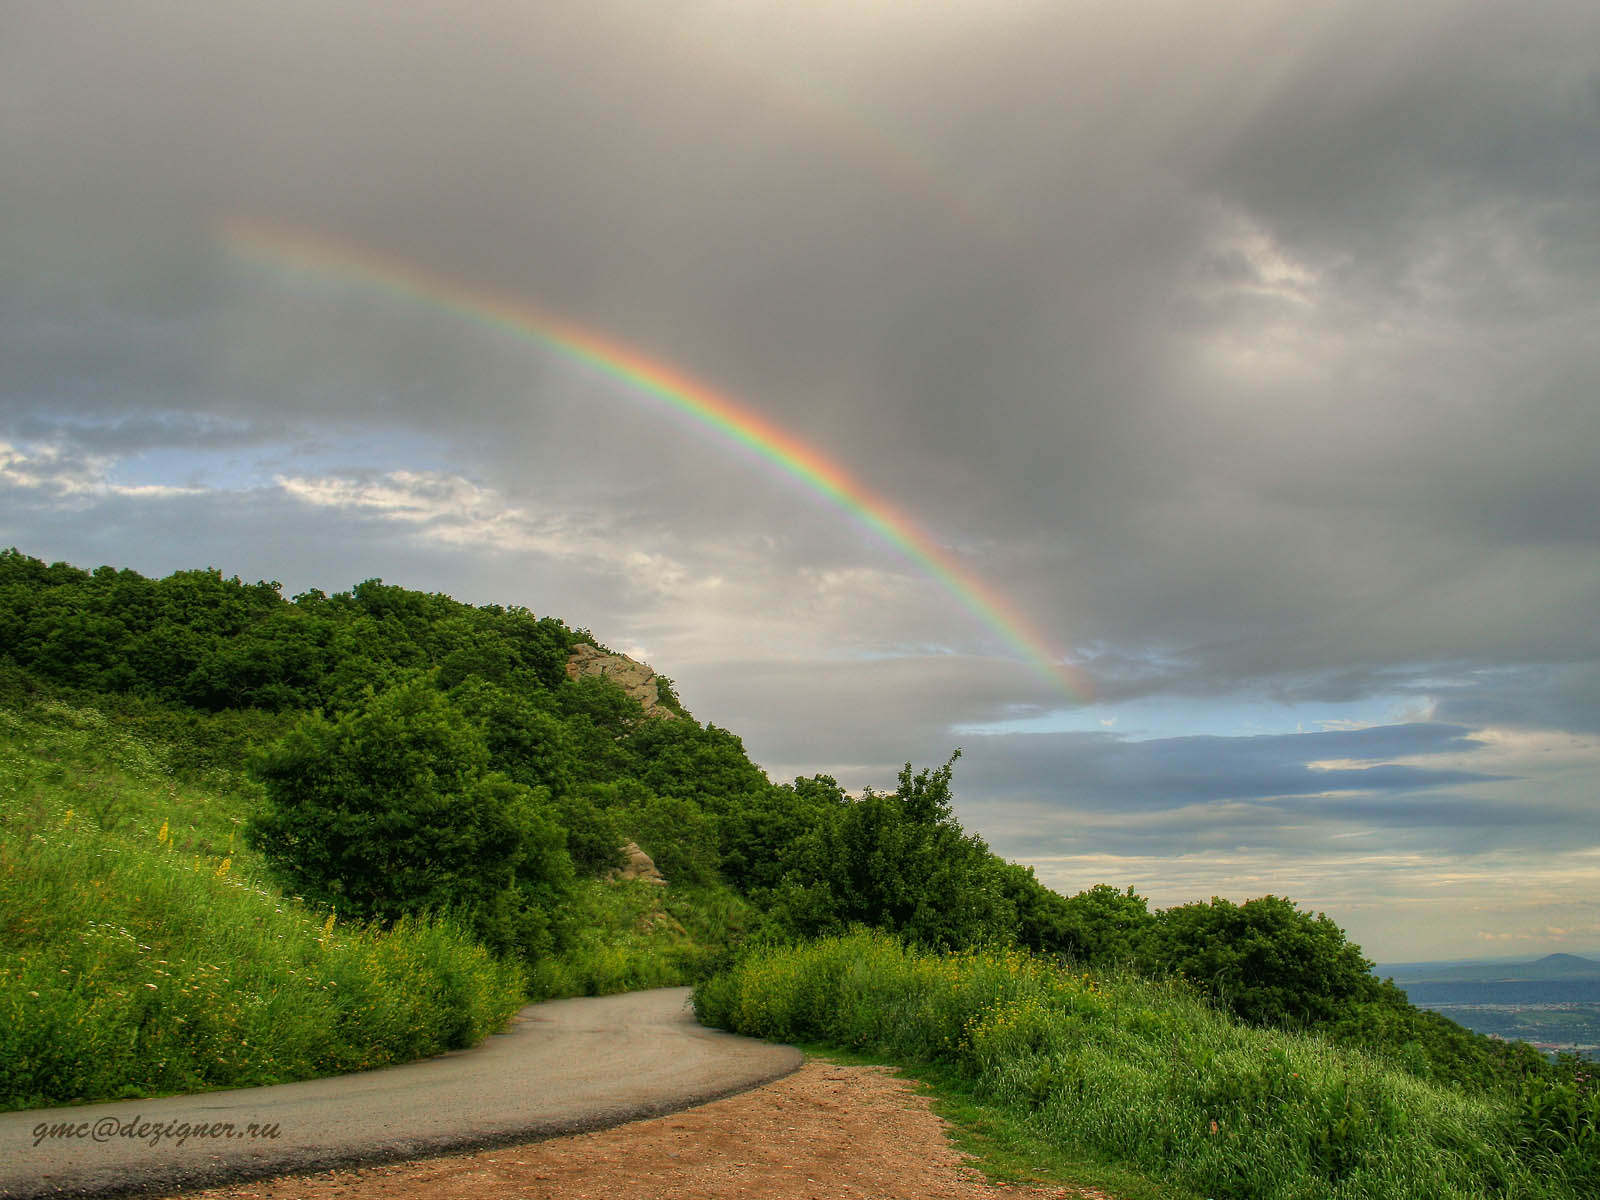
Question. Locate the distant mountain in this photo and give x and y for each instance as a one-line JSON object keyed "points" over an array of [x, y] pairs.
{"points": [[1550, 967]]}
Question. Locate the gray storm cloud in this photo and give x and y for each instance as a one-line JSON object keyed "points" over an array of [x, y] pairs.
{"points": [[1245, 350]]}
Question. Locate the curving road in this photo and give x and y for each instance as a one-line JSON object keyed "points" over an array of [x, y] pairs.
{"points": [[563, 1066]]}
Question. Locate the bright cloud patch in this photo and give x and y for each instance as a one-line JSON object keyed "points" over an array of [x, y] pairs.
{"points": [[73, 477], [449, 508]]}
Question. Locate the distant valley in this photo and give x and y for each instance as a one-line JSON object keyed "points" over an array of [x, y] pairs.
{"points": [[1552, 1002]]}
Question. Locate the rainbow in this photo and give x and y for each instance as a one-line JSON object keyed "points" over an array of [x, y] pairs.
{"points": [[257, 241]]}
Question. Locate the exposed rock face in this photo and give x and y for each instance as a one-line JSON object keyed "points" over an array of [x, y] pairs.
{"points": [[639, 866], [635, 678]]}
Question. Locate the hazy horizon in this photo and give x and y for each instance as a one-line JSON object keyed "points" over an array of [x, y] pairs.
{"points": [[1239, 361]]}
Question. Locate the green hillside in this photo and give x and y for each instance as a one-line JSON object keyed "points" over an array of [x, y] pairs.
{"points": [[249, 838], [1131, 1072], [144, 949]]}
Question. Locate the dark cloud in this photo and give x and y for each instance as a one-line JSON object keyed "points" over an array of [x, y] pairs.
{"points": [[1107, 772], [1538, 696], [1243, 353]]}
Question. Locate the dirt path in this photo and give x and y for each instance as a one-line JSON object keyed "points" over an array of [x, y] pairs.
{"points": [[827, 1132], [562, 1067]]}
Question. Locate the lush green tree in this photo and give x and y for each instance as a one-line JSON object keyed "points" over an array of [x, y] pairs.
{"points": [[540, 645], [598, 716], [675, 832], [595, 836], [527, 739], [278, 662], [1105, 926], [1044, 918], [899, 862], [758, 837], [213, 606], [363, 660], [489, 660], [393, 810], [165, 657], [707, 765], [216, 643], [1268, 961], [78, 646]]}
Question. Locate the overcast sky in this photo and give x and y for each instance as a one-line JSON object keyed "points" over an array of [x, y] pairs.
{"points": [[1248, 351]]}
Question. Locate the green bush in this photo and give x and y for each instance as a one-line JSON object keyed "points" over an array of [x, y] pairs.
{"points": [[527, 741], [595, 838], [704, 764], [679, 838], [899, 862], [391, 812], [628, 935], [1267, 961], [215, 643], [1558, 1119], [1106, 927], [758, 839]]}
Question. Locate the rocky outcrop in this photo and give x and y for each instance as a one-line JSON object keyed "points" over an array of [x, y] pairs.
{"points": [[639, 865], [635, 678]]}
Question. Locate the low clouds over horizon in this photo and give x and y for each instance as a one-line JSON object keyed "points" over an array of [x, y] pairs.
{"points": [[1248, 354]]}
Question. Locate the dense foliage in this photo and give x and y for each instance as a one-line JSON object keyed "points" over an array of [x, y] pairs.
{"points": [[198, 639], [900, 862], [415, 760], [392, 811]]}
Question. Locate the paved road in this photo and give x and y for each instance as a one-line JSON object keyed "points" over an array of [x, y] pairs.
{"points": [[561, 1067]]}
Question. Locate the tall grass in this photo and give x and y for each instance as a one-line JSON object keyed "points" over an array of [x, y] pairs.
{"points": [[141, 953], [1141, 1073], [624, 936]]}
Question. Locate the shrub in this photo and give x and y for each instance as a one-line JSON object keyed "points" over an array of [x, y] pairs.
{"points": [[1105, 927], [1265, 959], [899, 862], [140, 953], [391, 811]]}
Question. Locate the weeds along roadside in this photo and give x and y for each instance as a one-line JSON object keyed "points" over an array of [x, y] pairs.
{"points": [[630, 935], [141, 953], [1142, 1074]]}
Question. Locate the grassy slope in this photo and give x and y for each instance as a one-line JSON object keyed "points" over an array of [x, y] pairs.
{"points": [[1137, 1075], [142, 952], [1002, 1143]]}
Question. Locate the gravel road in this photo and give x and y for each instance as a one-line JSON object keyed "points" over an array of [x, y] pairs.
{"points": [[564, 1066]]}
